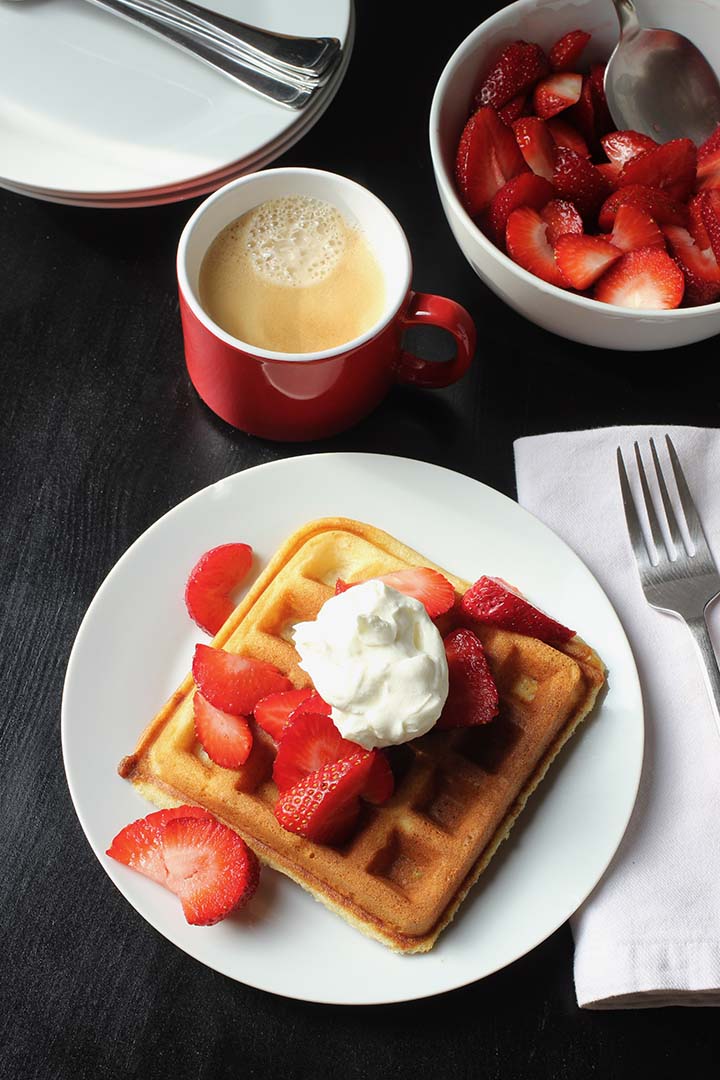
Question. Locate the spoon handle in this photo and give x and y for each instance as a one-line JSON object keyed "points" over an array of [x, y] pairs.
{"points": [[627, 17]]}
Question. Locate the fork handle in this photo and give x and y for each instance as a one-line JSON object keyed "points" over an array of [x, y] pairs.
{"points": [[699, 630]]}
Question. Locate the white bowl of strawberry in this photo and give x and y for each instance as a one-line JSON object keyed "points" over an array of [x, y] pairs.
{"points": [[600, 236]]}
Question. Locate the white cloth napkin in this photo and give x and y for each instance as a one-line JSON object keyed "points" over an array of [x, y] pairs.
{"points": [[649, 935]]}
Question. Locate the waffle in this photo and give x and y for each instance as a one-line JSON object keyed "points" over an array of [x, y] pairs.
{"points": [[405, 871]]}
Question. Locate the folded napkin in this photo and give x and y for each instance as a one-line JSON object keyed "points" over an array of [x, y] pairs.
{"points": [[649, 935]]}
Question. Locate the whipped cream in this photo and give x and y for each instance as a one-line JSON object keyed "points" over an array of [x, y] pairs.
{"points": [[377, 658]]}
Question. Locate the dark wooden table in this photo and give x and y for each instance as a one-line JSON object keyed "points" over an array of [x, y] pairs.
{"points": [[101, 434]]}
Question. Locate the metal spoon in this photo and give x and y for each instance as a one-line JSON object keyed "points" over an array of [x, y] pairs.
{"points": [[657, 82]]}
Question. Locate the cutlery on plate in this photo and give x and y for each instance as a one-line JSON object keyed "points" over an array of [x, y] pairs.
{"points": [[659, 83], [677, 577], [289, 70]]}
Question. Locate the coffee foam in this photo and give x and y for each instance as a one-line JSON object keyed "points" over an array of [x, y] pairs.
{"points": [[296, 240]]}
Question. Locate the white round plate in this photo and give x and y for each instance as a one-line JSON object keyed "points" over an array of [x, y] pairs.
{"points": [[138, 114], [204, 185], [135, 646]]}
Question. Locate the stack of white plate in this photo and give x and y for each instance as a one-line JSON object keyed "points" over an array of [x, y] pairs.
{"points": [[97, 112]]}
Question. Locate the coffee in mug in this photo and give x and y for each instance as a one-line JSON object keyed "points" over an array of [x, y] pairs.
{"points": [[292, 275]]}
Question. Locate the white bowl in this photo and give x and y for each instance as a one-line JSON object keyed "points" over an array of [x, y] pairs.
{"points": [[544, 21]]}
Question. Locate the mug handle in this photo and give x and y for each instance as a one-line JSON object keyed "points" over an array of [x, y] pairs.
{"points": [[426, 308]]}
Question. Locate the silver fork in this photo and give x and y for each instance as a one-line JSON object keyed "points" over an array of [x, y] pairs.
{"points": [[674, 578]]}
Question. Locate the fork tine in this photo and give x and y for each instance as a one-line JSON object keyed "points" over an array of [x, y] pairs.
{"points": [[694, 524], [655, 530], [642, 553], [675, 534]]}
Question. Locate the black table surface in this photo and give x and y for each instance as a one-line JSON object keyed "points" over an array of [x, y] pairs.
{"points": [[101, 434]]}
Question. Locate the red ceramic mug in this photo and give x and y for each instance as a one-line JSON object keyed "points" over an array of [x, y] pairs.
{"points": [[297, 396]]}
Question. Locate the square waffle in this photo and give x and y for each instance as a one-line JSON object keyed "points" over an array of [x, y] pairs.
{"points": [[405, 871]]}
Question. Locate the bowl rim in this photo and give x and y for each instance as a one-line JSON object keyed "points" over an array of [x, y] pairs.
{"points": [[446, 184]]}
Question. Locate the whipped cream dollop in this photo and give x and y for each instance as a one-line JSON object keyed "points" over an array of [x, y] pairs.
{"points": [[377, 658]]}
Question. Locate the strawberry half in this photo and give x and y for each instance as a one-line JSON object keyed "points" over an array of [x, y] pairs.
{"points": [[273, 712], [623, 146], [634, 228], [487, 157], [211, 580], [472, 696], [226, 739], [139, 844], [524, 190], [565, 134], [209, 867], [324, 805], [516, 70], [233, 683], [583, 259], [671, 167], [310, 741], [708, 172], [705, 220], [656, 203], [513, 109], [423, 584], [556, 92], [582, 114], [647, 279], [492, 601], [603, 120], [577, 180], [567, 51], [536, 144], [527, 243], [700, 267], [561, 219]]}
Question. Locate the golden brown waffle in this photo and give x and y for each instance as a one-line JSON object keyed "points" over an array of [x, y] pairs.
{"points": [[406, 870]]}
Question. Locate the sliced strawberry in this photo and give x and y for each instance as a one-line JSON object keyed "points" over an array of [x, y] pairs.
{"points": [[623, 146], [561, 218], [603, 119], [567, 51], [647, 279], [273, 712], [323, 806], [556, 92], [634, 228], [139, 844], [492, 601], [582, 114], [536, 145], [513, 109], [472, 696], [527, 243], [226, 739], [516, 70], [311, 741], [381, 782], [705, 220], [671, 167], [524, 190], [583, 259], [488, 156], [423, 584], [710, 146], [700, 267], [209, 867], [577, 180], [233, 683], [657, 203], [708, 173], [564, 134], [211, 580], [610, 171], [314, 703]]}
